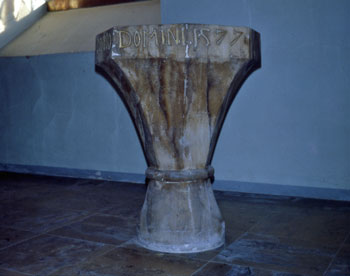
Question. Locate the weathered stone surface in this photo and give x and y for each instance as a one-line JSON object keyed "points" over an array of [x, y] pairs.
{"points": [[178, 82]]}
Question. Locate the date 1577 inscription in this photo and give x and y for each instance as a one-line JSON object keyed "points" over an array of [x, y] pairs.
{"points": [[168, 37]]}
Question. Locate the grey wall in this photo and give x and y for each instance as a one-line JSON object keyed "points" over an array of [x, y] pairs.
{"points": [[290, 123], [56, 111]]}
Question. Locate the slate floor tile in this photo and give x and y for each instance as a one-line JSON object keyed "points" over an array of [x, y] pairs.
{"points": [[36, 219], [101, 228], [5, 272], [28, 192], [10, 236], [95, 198], [341, 263], [44, 254], [326, 229], [74, 200], [123, 199], [220, 269], [126, 262], [123, 210], [19, 181], [268, 252], [232, 235], [269, 202], [24, 181], [93, 222], [114, 192], [241, 217]]}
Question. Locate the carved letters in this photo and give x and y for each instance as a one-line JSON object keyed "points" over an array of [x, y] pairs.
{"points": [[168, 37]]}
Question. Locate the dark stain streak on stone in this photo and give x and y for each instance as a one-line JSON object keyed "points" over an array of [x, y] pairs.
{"points": [[177, 155], [149, 73], [188, 95], [179, 118], [161, 94], [208, 98]]}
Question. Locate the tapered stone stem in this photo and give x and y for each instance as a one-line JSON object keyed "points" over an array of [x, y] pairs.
{"points": [[178, 82]]}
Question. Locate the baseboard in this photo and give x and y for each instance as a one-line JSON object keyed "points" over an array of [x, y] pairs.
{"points": [[282, 190], [76, 173], [221, 185]]}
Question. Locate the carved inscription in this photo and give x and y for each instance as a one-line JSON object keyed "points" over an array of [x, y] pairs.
{"points": [[104, 42], [221, 35], [237, 35], [172, 36]]}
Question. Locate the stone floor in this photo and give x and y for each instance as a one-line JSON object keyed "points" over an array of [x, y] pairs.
{"points": [[65, 226]]}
